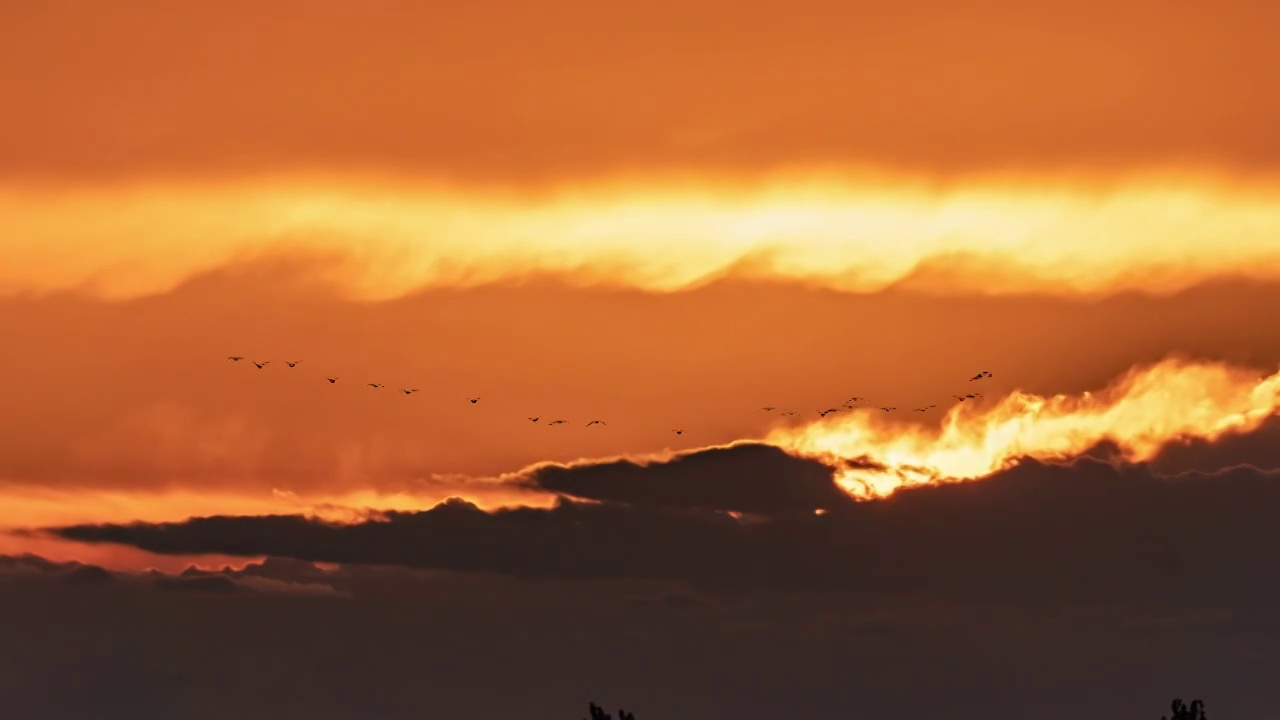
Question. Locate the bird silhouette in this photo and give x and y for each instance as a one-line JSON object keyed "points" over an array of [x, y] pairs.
{"points": [[847, 406]]}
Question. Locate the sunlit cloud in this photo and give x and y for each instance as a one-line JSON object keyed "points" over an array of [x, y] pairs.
{"points": [[855, 232], [1140, 412]]}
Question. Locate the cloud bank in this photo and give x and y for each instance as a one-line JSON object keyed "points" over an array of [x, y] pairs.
{"points": [[1086, 529]]}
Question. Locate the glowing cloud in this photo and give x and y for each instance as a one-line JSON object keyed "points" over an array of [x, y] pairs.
{"points": [[858, 232], [1140, 412]]}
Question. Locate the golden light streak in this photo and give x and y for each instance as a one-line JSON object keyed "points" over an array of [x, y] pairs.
{"points": [[27, 507], [856, 231], [1140, 412], [31, 506]]}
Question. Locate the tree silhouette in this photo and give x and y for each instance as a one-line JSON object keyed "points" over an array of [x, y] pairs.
{"points": [[1181, 711], [598, 713]]}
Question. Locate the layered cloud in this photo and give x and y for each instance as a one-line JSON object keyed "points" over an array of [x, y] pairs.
{"points": [[849, 231], [1088, 529], [129, 410], [136, 645], [701, 224]]}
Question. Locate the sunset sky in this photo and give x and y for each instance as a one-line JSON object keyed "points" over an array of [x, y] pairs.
{"points": [[668, 217]]}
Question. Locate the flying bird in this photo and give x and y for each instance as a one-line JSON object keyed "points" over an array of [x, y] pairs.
{"points": [[961, 398], [678, 432], [828, 411], [332, 380], [376, 385], [558, 422], [408, 391], [235, 358], [973, 395], [979, 376], [768, 408], [888, 409], [790, 412], [596, 422], [292, 363], [474, 400], [535, 419], [262, 364]]}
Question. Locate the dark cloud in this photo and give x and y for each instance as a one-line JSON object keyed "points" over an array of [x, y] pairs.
{"points": [[1259, 448], [72, 573], [211, 584], [1038, 530], [274, 576], [89, 575], [133, 649], [748, 478]]}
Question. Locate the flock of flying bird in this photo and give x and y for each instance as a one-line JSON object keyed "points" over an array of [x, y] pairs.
{"points": [[849, 404]]}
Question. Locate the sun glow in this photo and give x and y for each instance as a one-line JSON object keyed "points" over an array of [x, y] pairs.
{"points": [[1140, 412]]}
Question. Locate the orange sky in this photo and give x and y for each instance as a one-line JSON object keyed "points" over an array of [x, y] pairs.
{"points": [[521, 91], [664, 216]]}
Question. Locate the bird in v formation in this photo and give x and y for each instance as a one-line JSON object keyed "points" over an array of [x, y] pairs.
{"points": [[850, 404]]}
